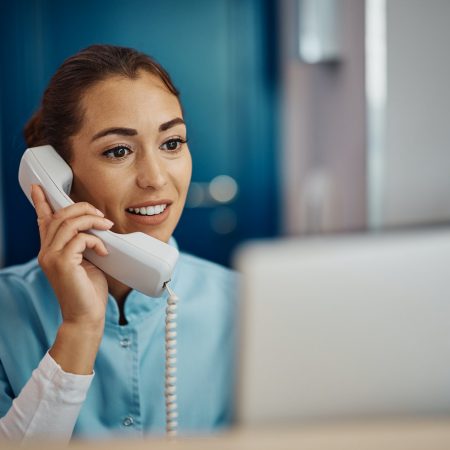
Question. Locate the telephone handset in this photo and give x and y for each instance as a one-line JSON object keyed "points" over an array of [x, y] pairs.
{"points": [[135, 259]]}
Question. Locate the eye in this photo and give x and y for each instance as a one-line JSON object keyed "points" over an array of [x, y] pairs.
{"points": [[118, 152], [173, 144]]}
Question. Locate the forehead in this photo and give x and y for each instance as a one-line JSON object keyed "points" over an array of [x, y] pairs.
{"points": [[120, 101]]}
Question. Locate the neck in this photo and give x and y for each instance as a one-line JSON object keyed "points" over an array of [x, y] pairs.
{"points": [[119, 291]]}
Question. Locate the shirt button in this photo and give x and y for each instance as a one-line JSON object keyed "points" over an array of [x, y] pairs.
{"points": [[128, 421], [125, 342]]}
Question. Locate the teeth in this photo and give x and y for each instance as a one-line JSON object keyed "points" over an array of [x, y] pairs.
{"points": [[149, 210]]}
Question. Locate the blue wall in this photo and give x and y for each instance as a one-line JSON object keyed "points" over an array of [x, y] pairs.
{"points": [[222, 56]]}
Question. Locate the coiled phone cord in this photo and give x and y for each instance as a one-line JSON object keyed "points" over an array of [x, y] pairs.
{"points": [[170, 389]]}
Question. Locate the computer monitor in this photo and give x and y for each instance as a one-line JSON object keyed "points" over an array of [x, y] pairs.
{"points": [[344, 327]]}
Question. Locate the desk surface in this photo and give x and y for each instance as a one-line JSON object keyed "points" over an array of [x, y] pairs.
{"points": [[395, 435]]}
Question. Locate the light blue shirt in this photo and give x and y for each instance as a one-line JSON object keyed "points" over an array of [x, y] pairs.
{"points": [[126, 396]]}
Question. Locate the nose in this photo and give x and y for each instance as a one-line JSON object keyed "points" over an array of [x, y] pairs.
{"points": [[151, 172]]}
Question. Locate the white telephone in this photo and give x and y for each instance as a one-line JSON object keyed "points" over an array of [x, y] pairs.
{"points": [[135, 259]]}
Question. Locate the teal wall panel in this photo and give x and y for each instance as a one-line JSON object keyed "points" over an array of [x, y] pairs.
{"points": [[222, 56]]}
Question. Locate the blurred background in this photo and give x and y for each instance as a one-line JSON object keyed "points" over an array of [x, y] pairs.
{"points": [[304, 116]]}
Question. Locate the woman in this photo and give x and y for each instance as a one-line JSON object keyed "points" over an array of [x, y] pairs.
{"points": [[96, 346]]}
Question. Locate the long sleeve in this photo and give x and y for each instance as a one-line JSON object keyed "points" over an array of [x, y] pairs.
{"points": [[48, 405]]}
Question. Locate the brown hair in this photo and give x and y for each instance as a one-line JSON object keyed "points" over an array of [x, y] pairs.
{"points": [[60, 115]]}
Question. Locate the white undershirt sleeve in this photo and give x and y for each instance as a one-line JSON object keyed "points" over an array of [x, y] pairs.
{"points": [[47, 406]]}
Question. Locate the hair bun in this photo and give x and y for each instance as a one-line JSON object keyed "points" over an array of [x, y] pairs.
{"points": [[33, 131]]}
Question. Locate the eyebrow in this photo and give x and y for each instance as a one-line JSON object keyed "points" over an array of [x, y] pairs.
{"points": [[171, 123], [132, 132]]}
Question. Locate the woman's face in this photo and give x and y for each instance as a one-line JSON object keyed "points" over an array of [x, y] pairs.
{"points": [[130, 158]]}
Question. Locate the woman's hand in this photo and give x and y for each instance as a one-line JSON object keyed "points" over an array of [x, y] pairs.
{"points": [[81, 288]]}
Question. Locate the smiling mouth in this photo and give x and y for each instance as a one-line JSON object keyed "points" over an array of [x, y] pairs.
{"points": [[148, 210]]}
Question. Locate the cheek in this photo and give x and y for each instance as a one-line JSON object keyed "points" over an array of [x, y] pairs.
{"points": [[97, 187], [111, 187], [181, 174]]}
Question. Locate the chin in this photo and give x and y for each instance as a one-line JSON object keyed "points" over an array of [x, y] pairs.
{"points": [[160, 235]]}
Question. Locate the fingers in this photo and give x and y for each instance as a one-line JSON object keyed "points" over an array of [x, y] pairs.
{"points": [[69, 229], [81, 242], [62, 232], [66, 214], [72, 253]]}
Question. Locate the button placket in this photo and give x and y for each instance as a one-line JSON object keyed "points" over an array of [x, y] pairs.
{"points": [[128, 344]]}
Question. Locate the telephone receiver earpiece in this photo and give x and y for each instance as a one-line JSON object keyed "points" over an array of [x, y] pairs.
{"points": [[135, 259]]}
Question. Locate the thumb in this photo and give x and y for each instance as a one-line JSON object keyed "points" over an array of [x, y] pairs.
{"points": [[43, 210]]}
